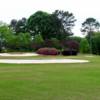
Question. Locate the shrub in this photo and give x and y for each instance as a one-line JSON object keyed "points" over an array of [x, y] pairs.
{"points": [[66, 52], [53, 43], [70, 44], [47, 51], [38, 42], [69, 52], [74, 52], [84, 46], [20, 42], [56, 43], [96, 44], [38, 39]]}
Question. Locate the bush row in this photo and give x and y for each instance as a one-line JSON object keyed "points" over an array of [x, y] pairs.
{"points": [[53, 51], [47, 51]]}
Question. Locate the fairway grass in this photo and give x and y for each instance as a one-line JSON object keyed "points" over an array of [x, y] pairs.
{"points": [[51, 81]]}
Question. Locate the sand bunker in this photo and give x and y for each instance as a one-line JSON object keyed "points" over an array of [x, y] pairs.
{"points": [[44, 61], [18, 54]]}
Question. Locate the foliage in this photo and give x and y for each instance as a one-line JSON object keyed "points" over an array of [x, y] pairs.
{"points": [[49, 30], [96, 44], [53, 42], [37, 42], [5, 35], [24, 41], [18, 26], [20, 42], [56, 43], [84, 46], [43, 23], [38, 39], [70, 44], [75, 38], [69, 52], [57, 25], [14, 42], [13, 24], [47, 51], [89, 26], [37, 23], [67, 21]]}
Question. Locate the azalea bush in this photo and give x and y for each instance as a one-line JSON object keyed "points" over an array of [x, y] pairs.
{"points": [[48, 51]]}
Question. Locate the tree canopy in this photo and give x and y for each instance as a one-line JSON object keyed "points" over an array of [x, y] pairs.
{"points": [[90, 25], [67, 20], [18, 26], [57, 25]]}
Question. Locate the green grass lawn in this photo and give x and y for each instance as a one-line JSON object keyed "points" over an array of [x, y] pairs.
{"points": [[51, 81]]}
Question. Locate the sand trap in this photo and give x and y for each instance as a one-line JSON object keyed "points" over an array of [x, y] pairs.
{"points": [[19, 54], [43, 61], [12, 61]]}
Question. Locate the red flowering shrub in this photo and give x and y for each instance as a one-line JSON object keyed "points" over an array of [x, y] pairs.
{"points": [[70, 44], [73, 45], [47, 51]]}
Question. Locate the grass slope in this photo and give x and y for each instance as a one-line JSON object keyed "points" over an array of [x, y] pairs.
{"points": [[51, 81]]}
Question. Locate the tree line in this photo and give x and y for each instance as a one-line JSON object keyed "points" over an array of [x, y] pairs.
{"points": [[42, 29]]}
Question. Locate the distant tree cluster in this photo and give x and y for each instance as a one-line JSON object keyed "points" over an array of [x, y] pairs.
{"points": [[45, 30]]}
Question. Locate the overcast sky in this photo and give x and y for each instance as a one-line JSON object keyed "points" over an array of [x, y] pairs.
{"points": [[82, 9]]}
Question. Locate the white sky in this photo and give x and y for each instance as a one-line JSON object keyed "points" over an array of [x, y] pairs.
{"points": [[82, 9]]}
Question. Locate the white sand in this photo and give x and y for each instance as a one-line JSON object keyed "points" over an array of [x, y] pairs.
{"points": [[44, 61], [19, 54]]}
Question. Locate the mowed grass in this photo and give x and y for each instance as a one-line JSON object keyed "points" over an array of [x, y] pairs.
{"points": [[51, 81]]}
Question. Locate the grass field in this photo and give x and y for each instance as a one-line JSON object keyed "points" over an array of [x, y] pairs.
{"points": [[51, 81]]}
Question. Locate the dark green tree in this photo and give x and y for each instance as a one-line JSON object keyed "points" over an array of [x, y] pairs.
{"points": [[84, 46], [89, 26], [96, 43], [67, 21], [43, 23], [18, 26], [13, 24], [5, 35], [57, 25], [20, 42]]}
